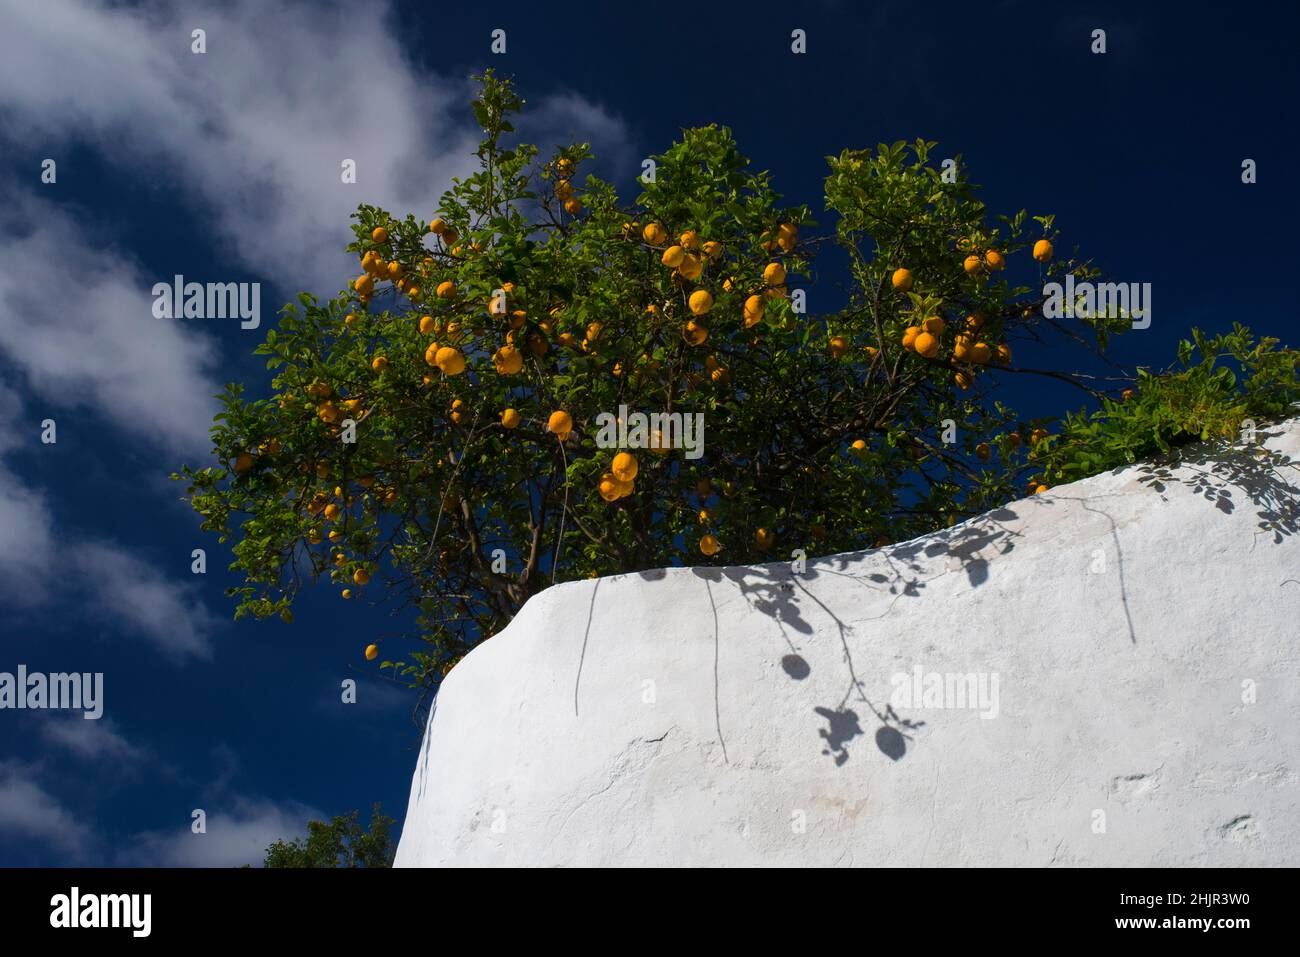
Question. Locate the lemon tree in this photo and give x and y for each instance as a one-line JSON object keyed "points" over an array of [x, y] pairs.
{"points": [[432, 438]]}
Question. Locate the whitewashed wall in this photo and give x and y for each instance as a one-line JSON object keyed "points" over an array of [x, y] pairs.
{"points": [[1142, 627]]}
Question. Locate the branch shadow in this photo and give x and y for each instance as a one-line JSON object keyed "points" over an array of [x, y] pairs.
{"points": [[778, 591], [1220, 470]]}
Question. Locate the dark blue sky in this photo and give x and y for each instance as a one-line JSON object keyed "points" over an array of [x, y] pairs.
{"points": [[1137, 151]]}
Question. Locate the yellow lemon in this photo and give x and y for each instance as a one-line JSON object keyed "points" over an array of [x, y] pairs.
{"points": [[560, 423], [450, 360], [624, 466], [508, 360], [926, 345]]}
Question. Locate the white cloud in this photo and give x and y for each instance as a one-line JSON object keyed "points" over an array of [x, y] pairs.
{"points": [[235, 836], [95, 344], [26, 525], [256, 128], [142, 601], [29, 811], [116, 585], [91, 740]]}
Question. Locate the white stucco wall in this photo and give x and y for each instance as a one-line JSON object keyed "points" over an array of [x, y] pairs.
{"points": [[739, 716]]}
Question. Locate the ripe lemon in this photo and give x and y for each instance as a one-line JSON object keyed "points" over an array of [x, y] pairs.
{"points": [[510, 418], [859, 446], [1003, 354], [446, 290], [933, 325], [379, 234], [787, 235], [428, 325], [508, 360], [926, 345], [563, 189], [980, 353], [450, 360], [313, 536], [610, 487], [839, 347], [971, 264], [961, 348], [712, 250], [994, 259], [573, 206], [1126, 395], [673, 256], [1038, 490], [431, 354], [363, 284], [361, 576], [624, 466], [654, 234], [690, 239], [902, 279], [695, 333], [379, 363], [561, 423], [331, 512], [691, 267], [753, 311], [964, 380], [909, 336], [774, 274], [764, 539], [437, 226], [701, 302], [709, 545], [975, 320], [372, 652], [347, 593], [1043, 250], [564, 166]]}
